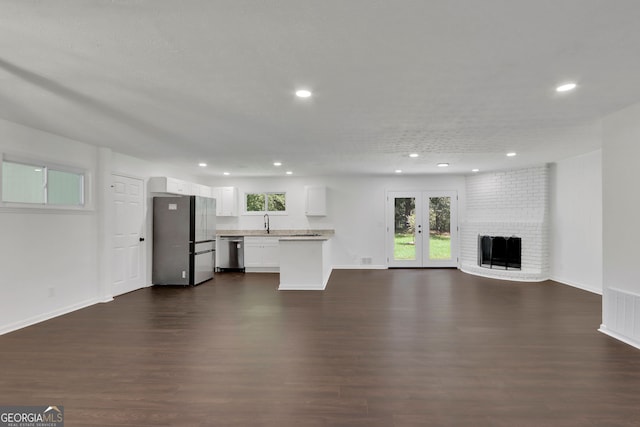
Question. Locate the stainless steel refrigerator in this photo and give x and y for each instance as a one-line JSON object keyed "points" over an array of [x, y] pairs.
{"points": [[184, 233]]}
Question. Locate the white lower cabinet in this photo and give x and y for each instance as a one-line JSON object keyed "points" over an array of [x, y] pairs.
{"points": [[261, 253]]}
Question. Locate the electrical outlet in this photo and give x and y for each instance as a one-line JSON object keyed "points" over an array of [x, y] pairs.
{"points": [[52, 292], [365, 260], [184, 274]]}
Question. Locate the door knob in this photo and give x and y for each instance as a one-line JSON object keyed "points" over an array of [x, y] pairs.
{"points": [[142, 239]]}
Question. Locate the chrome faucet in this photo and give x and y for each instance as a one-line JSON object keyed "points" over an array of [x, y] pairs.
{"points": [[266, 223]]}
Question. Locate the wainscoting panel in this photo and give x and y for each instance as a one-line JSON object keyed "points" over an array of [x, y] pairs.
{"points": [[622, 316]]}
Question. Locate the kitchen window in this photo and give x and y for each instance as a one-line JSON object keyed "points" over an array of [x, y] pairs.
{"points": [[265, 202], [33, 183]]}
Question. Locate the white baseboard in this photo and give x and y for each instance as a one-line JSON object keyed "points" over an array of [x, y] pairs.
{"points": [[262, 269], [46, 316], [619, 337], [576, 285], [360, 267], [293, 287]]}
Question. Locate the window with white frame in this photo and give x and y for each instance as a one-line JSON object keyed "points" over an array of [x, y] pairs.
{"points": [[36, 183], [265, 202]]}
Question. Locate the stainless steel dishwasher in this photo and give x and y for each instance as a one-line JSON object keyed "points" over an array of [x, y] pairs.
{"points": [[230, 253]]}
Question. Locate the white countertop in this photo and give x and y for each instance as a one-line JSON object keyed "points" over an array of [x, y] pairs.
{"points": [[288, 234]]}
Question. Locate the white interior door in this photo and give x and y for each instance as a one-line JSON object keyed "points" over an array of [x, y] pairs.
{"points": [[128, 199], [422, 229]]}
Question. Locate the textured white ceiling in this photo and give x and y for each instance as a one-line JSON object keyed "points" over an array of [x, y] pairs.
{"points": [[188, 81]]}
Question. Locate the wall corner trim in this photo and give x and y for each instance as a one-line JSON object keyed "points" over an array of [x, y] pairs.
{"points": [[576, 285]]}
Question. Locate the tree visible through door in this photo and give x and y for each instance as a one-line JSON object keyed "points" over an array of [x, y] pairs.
{"points": [[440, 228], [404, 247], [422, 228]]}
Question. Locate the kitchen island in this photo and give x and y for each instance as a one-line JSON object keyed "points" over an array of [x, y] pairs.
{"points": [[302, 257], [304, 263]]}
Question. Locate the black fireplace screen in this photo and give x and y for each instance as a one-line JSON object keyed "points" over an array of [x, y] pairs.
{"points": [[500, 252]]}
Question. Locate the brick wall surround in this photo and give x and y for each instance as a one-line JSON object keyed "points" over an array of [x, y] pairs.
{"points": [[508, 203]]}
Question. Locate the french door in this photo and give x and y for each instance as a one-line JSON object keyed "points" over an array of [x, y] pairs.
{"points": [[422, 229]]}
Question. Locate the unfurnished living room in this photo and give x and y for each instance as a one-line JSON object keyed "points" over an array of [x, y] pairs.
{"points": [[319, 213]]}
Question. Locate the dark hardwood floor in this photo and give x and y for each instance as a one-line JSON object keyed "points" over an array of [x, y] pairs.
{"points": [[377, 348]]}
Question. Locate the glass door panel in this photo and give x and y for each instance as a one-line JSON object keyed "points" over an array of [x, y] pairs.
{"points": [[442, 229], [404, 239], [405, 229], [439, 228]]}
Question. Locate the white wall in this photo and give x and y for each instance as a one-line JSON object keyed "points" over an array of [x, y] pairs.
{"points": [[356, 210], [56, 261], [576, 221], [48, 259], [621, 229]]}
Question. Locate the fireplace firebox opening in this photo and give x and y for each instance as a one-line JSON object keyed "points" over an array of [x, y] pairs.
{"points": [[500, 252]]}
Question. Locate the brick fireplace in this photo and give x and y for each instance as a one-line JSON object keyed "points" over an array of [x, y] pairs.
{"points": [[508, 203]]}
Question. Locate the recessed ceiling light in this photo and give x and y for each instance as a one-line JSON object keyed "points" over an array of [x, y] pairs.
{"points": [[303, 93], [289, 173], [398, 170], [277, 163], [566, 87], [226, 173], [475, 170], [202, 165], [512, 154], [443, 165], [414, 155]]}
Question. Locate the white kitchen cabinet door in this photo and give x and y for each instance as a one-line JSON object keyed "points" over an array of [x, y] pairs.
{"points": [[262, 253], [226, 200], [253, 251], [205, 191], [163, 184], [315, 201], [216, 193], [177, 186], [270, 252]]}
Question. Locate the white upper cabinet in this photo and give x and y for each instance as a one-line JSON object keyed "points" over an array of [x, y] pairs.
{"points": [[200, 190], [226, 200], [165, 184], [315, 201]]}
